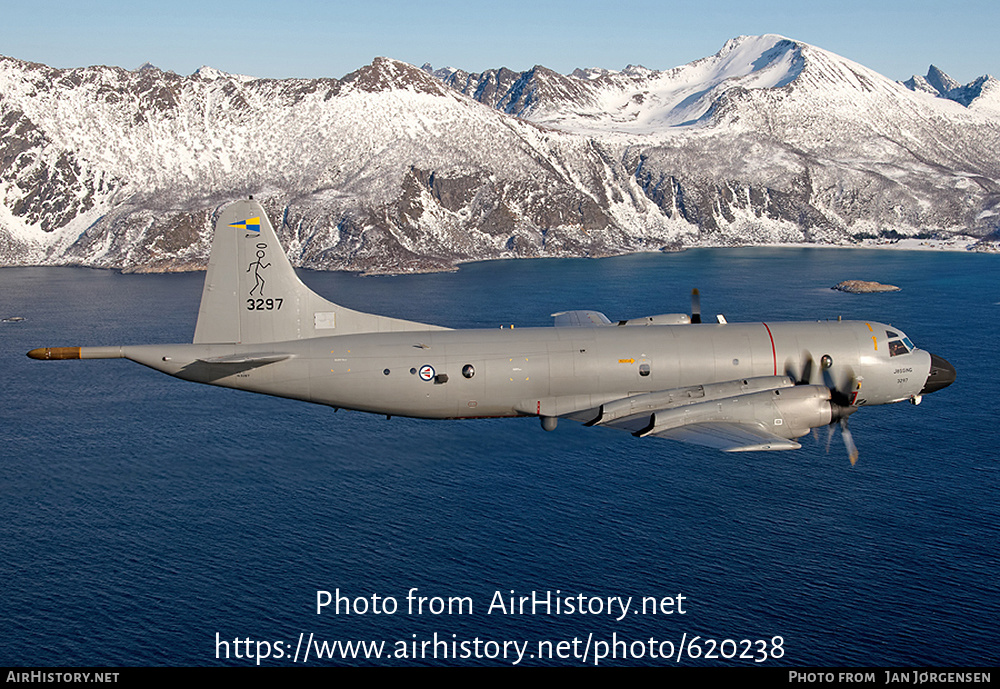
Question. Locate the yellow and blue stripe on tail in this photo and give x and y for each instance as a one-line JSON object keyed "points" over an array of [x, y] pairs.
{"points": [[250, 224]]}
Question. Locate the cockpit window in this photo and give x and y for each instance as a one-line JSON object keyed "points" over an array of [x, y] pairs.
{"points": [[890, 334], [909, 345], [896, 347]]}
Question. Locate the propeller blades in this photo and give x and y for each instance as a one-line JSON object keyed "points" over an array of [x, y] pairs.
{"points": [[840, 386], [852, 449], [807, 371], [841, 390], [845, 434], [802, 375], [695, 306]]}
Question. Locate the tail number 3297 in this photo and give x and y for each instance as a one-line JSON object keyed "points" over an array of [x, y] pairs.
{"points": [[264, 304]]}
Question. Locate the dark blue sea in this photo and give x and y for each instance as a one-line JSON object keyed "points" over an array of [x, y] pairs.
{"points": [[150, 521]]}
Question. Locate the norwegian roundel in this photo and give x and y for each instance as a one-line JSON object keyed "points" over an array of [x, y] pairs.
{"points": [[426, 372]]}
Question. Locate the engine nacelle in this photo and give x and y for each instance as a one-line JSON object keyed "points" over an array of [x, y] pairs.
{"points": [[787, 412]]}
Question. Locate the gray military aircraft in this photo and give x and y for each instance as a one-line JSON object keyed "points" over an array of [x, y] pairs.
{"points": [[733, 387]]}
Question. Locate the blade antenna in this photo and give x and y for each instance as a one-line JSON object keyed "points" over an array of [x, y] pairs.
{"points": [[695, 306]]}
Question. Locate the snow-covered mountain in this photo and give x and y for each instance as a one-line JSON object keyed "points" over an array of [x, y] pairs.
{"points": [[982, 94], [636, 100], [396, 168]]}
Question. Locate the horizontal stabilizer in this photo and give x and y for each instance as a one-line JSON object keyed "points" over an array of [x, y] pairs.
{"points": [[243, 359]]}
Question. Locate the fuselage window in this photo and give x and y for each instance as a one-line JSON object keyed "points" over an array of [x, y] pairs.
{"points": [[643, 369], [468, 370]]}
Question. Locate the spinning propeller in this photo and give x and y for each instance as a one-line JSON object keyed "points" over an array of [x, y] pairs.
{"points": [[840, 395], [842, 391]]}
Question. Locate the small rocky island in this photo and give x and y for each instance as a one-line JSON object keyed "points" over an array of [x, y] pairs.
{"points": [[864, 287]]}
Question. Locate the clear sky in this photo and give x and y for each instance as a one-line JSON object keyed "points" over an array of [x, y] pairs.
{"points": [[308, 38]]}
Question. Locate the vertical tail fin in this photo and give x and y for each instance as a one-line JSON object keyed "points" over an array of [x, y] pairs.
{"points": [[253, 295]]}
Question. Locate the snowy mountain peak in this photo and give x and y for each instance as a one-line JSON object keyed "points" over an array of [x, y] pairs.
{"points": [[984, 94], [769, 61], [920, 84], [754, 44], [940, 81], [981, 94], [210, 73], [386, 74], [637, 71]]}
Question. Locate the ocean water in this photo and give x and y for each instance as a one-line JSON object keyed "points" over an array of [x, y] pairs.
{"points": [[146, 519]]}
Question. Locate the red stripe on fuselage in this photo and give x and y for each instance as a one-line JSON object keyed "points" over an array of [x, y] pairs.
{"points": [[774, 354]]}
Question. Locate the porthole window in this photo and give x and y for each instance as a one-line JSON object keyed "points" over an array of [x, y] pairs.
{"points": [[468, 370], [385, 372], [413, 371], [643, 369]]}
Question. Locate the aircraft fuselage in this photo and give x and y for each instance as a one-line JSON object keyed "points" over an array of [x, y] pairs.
{"points": [[549, 371]]}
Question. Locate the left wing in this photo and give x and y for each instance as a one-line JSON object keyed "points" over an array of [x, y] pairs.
{"points": [[729, 437], [743, 415]]}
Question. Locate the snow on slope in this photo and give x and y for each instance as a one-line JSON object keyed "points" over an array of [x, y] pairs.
{"points": [[789, 130], [224, 131], [397, 168], [646, 102], [366, 156], [638, 101]]}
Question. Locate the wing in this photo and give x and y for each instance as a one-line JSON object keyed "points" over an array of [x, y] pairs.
{"points": [[751, 414], [729, 437]]}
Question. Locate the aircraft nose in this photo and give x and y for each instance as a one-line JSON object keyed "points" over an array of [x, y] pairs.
{"points": [[942, 375]]}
